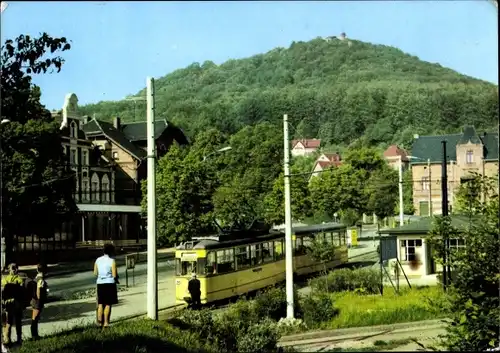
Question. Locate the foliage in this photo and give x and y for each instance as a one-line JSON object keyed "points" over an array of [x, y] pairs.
{"points": [[363, 281], [318, 308], [408, 192], [472, 300], [300, 200], [382, 190], [411, 305], [124, 337], [37, 185], [328, 89], [469, 196]]}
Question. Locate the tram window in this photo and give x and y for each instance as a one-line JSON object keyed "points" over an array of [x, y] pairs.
{"points": [[188, 267], [307, 241], [278, 250], [267, 252], [243, 259], [336, 238], [225, 261], [259, 254], [253, 255], [211, 265], [299, 246], [342, 237], [328, 237]]}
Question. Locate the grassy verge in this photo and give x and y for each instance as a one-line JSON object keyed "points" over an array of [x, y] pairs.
{"points": [[356, 310], [126, 337]]}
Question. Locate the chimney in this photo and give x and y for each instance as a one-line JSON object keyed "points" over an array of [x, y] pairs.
{"points": [[85, 119], [116, 123]]}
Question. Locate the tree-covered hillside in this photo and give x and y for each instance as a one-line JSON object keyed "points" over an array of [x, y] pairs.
{"points": [[335, 90]]}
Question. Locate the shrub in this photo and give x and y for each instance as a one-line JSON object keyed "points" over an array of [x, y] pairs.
{"points": [[363, 280], [261, 337], [318, 308], [271, 304], [199, 321]]}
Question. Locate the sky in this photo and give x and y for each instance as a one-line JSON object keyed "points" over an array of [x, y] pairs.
{"points": [[116, 45]]}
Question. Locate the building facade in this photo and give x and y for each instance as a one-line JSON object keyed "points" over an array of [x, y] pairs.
{"points": [[305, 147], [467, 153], [109, 163], [325, 161]]}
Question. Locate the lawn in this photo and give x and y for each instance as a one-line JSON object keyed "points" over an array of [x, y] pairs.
{"points": [[358, 310], [124, 337]]}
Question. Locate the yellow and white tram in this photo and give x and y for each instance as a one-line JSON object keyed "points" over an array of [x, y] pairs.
{"points": [[229, 268]]}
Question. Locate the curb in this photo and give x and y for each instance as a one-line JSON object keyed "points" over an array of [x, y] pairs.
{"points": [[160, 312], [354, 332]]}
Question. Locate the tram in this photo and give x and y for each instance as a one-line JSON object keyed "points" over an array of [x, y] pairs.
{"points": [[230, 265]]}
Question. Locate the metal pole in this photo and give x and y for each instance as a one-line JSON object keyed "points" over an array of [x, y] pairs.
{"points": [[401, 205], [444, 210], [430, 186], [381, 260], [288, 224], [152, 289]]}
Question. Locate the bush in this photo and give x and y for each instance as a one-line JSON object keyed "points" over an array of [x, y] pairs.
{"points": [[261, 337], [318, 308], [363, 280], [271, 304]]}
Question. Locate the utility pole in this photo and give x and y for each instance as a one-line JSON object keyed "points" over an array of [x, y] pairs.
{"points": [[430, 183], [152, 289], [288, 224], [444, 211], [401, 205]]}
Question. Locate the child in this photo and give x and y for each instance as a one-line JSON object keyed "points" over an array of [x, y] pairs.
{"points": [[39, 300]]}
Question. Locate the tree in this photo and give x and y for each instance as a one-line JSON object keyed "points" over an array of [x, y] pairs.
{"points": [[300, 201], [469, 196], [37, 184], [472, 303], [382, 191], [323, 252], [408, 192]]}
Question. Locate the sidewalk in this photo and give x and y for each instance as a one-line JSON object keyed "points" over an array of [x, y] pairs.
{"points": [[63, 316], [65, 268]]}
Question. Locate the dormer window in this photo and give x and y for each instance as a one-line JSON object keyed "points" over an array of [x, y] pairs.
{"points": [[469, 157], [73, 130]]}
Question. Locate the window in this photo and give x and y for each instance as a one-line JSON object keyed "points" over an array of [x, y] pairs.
{"points": [[211, 265], [299, 246], [115, 155], [73, 130], [95, 188], [408, 249], [278, 250], [243, 259], [469, 157], [72, 157], [254, 254], [425, 183], [225, 261], [267, 252], [105, 188], [85, 157], [85, 189], [184, 268], [456, 244]]}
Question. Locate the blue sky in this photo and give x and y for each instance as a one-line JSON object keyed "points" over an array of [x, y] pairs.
{"points": [[117, 44]]}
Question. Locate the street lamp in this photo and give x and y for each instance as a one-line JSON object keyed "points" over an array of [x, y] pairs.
{"points": [[223, 149]]}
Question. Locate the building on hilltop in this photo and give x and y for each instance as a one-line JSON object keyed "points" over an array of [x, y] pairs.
{"points": [[468, 152], [305, 147]]}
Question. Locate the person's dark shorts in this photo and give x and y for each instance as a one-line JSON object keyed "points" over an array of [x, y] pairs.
{"points": [[37, 304], [11, 313], [107, 294]]}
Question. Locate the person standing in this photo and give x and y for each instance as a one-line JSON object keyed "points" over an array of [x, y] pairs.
{"points": [[107, 277], [194, 289], [13, 303], [39, 299]]}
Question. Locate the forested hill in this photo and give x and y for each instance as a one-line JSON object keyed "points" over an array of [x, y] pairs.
{"points": [[331, 89]]}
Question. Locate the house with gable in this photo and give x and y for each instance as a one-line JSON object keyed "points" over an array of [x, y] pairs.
{"points": [[394, 155], [325, 161], [305, 147], [467, 152]]}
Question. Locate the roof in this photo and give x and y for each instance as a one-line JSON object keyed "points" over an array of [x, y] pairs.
{"points": [[333, 157], [425, 224], [430, 147], [308, 143], [395, 151], [96, 127], [137, 131]]}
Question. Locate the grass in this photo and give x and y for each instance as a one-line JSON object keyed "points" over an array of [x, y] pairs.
{"points": [[378, 346], [356, 310], [137, 336]]}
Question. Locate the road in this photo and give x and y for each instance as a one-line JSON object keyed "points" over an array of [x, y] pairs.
{"points": [[64, 285]]}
